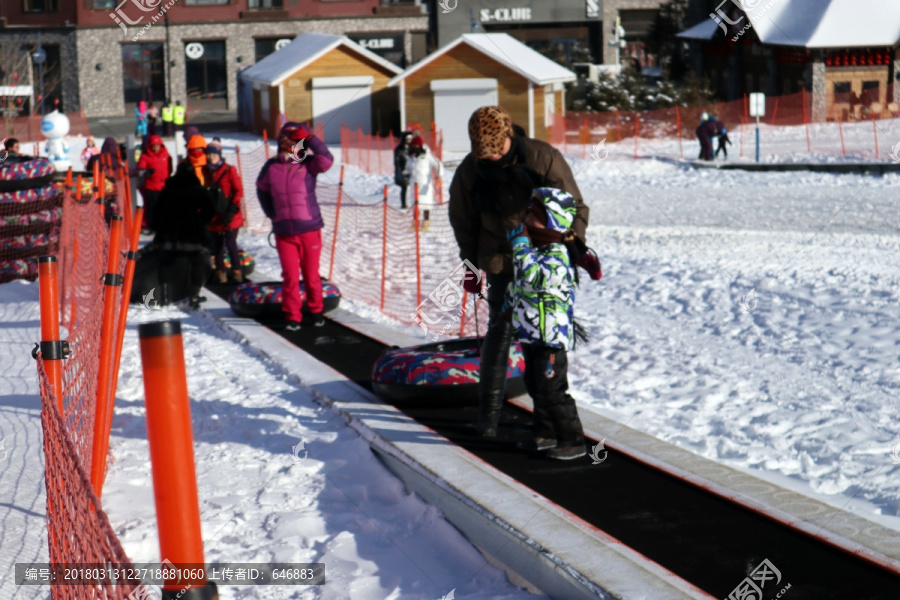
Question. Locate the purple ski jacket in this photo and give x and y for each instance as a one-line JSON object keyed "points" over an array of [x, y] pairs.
{"points": [[287, 191]]}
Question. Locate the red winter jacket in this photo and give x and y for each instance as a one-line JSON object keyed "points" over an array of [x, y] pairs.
{"points": [[228, 179], [161, 164]]}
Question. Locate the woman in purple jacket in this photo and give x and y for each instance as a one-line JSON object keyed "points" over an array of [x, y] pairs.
{"points": [[286, 188]]}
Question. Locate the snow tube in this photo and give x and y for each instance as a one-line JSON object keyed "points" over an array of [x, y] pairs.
{"points": [[247, 262], [19, 268], [443, 371], [253, 299], [18, 174]]}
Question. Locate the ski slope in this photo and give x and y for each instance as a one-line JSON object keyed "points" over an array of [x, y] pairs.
{"points": [[748, 317]]}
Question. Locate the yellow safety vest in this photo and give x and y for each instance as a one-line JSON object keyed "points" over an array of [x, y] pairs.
{"points": [[179, 115], [167, 113]]}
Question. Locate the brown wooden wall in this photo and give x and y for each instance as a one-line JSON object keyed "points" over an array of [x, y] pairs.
{"points": [[464, 62], [342, 62]]}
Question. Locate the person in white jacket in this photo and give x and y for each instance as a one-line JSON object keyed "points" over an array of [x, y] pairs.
{"points": [[420, 167]]}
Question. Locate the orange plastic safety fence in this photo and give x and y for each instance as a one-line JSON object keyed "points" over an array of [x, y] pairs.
{"points": [[375, 154], [78, 529], [793, 124]]}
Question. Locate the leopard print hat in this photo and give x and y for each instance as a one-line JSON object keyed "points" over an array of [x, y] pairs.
{"points": [[489, 126]]}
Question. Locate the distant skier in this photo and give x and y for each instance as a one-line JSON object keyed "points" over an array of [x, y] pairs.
{"points": [[723, 140], [540, 302], [422, 169], [401, 155]]}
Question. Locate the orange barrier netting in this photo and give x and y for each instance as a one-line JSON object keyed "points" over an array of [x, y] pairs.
{"points": [[794, 124], [375, 154], [78, 529], [372, 256]]}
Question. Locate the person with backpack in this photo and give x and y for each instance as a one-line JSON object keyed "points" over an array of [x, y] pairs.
{"points": [[422, 169], [286, 188], [181, 221], [401, 155], [489, 195], [222, 178], [540, 304]]}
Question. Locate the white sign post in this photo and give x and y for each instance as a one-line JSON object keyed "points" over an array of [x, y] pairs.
{"points": [[757, 109]]}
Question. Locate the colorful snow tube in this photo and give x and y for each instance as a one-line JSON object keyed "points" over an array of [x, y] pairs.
{"points": [[254, 299], [247, 263], [25, 173], [440, 372]]}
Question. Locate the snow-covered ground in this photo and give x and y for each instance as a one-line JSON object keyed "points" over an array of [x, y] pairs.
{"points": [[748, 317]]}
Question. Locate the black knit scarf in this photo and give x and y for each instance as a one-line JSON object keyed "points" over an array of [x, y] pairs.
{"points": [[503, 187]]}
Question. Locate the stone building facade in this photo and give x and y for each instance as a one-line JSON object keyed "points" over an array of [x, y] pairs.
{"points": [[95, 49], [100, 74]]}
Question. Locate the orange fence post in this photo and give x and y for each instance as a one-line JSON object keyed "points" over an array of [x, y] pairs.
{"points": [[266, 142], [127, 207], [775, 110], [841, 129], [172, 451], [418, 245], [52, 349], [131, 258], [875, 131], [96, 180], [237, 154], [103, 415], [384, 229], [337, 220]]}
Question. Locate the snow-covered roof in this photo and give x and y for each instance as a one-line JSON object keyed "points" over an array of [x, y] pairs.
{"points": [[506, 50], [814, 23], [306, 48]]}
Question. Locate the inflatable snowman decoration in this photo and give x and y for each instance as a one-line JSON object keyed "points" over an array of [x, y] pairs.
{"points": [[54, 127]]}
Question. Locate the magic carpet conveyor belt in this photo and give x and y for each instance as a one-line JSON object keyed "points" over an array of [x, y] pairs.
{"points": [[691, 532]]}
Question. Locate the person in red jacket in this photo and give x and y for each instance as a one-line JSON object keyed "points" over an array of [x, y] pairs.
{"points": [[225, 227], [157, 166], [286, 188]]}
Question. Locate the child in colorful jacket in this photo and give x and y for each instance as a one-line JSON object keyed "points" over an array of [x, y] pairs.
{"points": [[541, 299]]}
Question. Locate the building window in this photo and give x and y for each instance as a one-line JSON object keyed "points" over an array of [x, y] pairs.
{"points": [[40, 6], [143, 75], [265, 4], [265, 46], [206, 71], [104, 4]]}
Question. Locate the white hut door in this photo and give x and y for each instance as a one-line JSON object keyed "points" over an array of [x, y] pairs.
{"points": [[454, 102], [346, 100]]}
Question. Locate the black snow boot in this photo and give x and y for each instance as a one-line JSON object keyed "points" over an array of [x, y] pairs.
{"points": [[492, 382], [195, 299]]}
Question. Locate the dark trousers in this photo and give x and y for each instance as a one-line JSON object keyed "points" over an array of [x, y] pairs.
{"points": [[721, 148], [170, 128], [221, 242], [182, 273], [494, 350], [403, 189], [150, 200], [706, 152], [547, 382]]}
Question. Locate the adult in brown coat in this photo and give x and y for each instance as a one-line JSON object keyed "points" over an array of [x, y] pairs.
{"points": [[489, 195]]}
